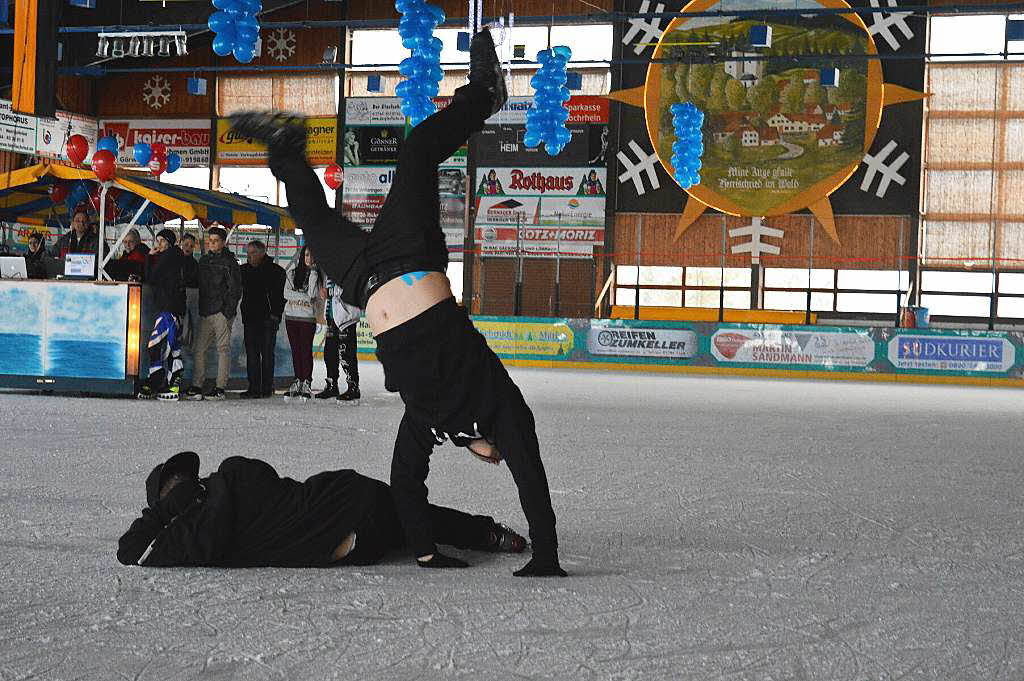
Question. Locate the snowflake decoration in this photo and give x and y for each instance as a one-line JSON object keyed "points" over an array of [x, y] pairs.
{"points": [[281, 44], [156, 92]]}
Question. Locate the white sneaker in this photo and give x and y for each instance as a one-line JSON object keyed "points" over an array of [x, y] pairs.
{"points": [[294, 390]]}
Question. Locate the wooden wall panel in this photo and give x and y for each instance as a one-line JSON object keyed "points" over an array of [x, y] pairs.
{"points": [[75, 94], [867, 242]]}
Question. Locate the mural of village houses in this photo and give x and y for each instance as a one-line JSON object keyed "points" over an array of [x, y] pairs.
{"points": [[768, 108]]}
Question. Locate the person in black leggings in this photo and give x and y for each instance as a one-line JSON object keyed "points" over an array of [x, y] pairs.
{"points": [[453, 385]]}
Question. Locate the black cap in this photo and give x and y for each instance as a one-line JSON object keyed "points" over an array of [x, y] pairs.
{"points": [[186, 463], [167, 234]]}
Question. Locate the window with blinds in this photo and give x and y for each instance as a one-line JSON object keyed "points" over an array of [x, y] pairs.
{"points": [[312, 95]]}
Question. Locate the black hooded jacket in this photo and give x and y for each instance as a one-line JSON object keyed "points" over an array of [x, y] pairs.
{"points": [[164, 275], [262, 291], [249, 516]]}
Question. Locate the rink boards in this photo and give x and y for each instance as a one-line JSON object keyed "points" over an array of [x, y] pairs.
{"points": [[853, 353]]}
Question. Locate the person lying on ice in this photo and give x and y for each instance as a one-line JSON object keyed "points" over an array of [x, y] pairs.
{"points": [[453, 385], [245, 515]]}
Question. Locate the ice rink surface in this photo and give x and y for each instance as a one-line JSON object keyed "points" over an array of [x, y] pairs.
{"points": [[713, 528]]}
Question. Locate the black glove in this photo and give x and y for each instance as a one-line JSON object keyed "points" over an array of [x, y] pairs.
{"points": [[439, 560], [177, 500], [541, 567]]}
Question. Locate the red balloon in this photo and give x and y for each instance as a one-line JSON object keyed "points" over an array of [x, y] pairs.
{"points": [[334, 175], [78, 149], [104, 164], [157, 165], [58, 192], [158, 149]]}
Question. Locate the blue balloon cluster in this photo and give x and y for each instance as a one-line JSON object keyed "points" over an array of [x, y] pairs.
{"points": [[235, 28], [687, 120], [422, 69], [108, 143], [545, 121]]}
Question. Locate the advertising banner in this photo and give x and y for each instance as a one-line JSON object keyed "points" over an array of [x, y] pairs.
{"points": [[611, 338], [582, 109], [550, 339], [780, 347], [374, 111], [559, 211], [503, 146], [958, 353], [233, 149], [47, 137], [189, 138]]}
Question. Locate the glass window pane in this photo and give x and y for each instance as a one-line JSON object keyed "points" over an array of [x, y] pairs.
{"points": [[737, 276], [785, 277], [970, 282], [625, 296], [821, 302], [255, 183], [881, 280], [980, 33], [785, 300], [661, 297], [626, 274], [702, 298], [737, 300], [661, 276], [589, 43], [198, 178], [703, 276], [823, 278], [1011, 307], [866, 302], [965, 306], [377, 47], [1011, 282]]}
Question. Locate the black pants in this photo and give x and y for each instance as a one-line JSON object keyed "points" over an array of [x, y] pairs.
{"points": [[381, 531], [260, 341], [340, 351], [409, 224]]}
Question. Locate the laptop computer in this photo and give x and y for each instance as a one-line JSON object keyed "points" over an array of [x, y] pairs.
{"points": [[13, 267], [80, 266]]}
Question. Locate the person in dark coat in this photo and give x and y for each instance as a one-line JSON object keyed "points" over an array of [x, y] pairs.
{"points": [[35, 259], [246, 515], [79, 239], [262, 306], [190, 322], [220, 289], [163, 275]]}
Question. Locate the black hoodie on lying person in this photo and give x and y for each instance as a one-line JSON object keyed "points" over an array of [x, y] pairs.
{"points": [[245, 515]]}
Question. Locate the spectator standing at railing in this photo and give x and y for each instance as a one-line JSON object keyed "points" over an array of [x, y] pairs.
{"points": [[163, 276], [131, 264], [190, 321], [220, 289], [262, 307]]}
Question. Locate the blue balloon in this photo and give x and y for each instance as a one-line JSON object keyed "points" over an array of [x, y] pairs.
{"points": [[108, 143], [173, 161], [218, 21], [223, 44], [142, 153], [244, 53]]}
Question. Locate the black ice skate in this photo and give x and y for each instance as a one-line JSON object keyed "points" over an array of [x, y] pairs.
{"points": [[485, 69], [279, 130], [329, 391], [350, 396], [502, 539]]}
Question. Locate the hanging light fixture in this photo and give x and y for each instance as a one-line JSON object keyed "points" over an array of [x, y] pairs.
{"points": [[165, 46], [102, 47], [148, 46], [134, 46], [117, 51], [141, 44], [181, 44]]}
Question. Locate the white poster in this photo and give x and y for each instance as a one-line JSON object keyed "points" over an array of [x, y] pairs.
{"points": [[17, 131], [775, 346], [373, 111], [607, 339]]}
